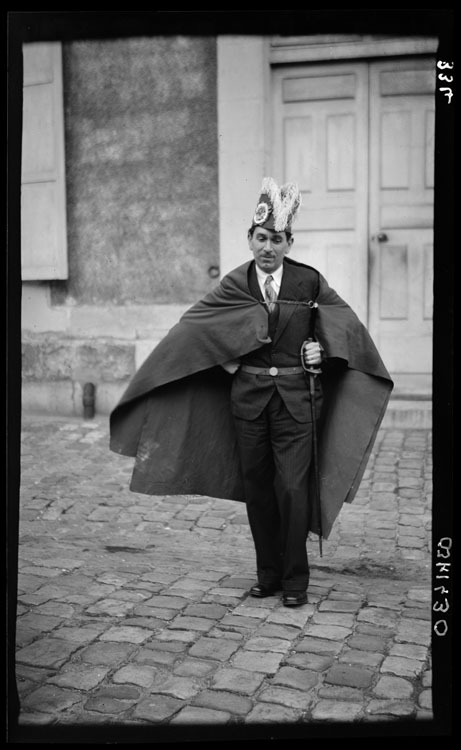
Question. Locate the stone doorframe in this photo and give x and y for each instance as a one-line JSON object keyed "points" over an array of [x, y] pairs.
{"points": [[244, 105]]}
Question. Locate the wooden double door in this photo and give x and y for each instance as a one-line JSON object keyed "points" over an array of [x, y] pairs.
{"points": [[358, 138]]}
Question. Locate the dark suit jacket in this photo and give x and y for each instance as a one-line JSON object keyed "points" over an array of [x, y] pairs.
{"points": [[289, 326]]}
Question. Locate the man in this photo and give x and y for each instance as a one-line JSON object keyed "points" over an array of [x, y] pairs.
{"points": [[222, 406], [271, 402]]}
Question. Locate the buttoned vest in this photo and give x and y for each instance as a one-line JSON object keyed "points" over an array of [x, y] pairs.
{"points": [[298, 285]]}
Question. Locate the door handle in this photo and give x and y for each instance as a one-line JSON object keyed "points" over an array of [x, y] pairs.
{"points": [[380, 237], [213, 272]]}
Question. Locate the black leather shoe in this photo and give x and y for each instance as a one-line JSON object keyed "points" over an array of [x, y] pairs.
{"points": [[259, 590], [294, 600]]}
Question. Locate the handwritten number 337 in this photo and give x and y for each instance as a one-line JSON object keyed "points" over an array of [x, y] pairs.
{"points": [[448, 79]]}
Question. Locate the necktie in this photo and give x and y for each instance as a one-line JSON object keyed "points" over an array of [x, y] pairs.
{"points": [[270, 294]]}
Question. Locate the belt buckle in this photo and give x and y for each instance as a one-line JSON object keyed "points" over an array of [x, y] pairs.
{"points": [[274, 371]]}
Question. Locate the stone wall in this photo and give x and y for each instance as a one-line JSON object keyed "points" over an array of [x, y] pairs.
{"points": [[56, 367], [142, 173], [142, 214]]}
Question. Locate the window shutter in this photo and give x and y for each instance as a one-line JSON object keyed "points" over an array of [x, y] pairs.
{"points": [[43, 189]]}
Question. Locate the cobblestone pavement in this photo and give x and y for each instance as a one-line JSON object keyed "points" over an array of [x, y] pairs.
{"points": [[134, 610]]}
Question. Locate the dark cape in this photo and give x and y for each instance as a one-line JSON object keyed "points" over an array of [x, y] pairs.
{"points": [[175, 416]]}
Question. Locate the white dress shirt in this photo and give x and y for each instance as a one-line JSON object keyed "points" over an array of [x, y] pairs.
{"points": [[276, 276]]}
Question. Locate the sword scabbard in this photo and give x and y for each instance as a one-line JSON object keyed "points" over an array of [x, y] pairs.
{"points": [[313, 372]]}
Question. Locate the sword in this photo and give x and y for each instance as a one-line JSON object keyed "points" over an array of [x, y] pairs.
{"points": [[313, 372]]}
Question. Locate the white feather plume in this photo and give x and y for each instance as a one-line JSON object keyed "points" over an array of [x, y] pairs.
{"points": [[269, 187], [285, 201], [290, 201]]}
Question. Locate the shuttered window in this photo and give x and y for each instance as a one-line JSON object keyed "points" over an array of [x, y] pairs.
{"points": [[43, 193]]}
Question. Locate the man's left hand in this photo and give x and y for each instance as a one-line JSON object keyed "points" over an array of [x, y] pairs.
{"points": [[312, 353]]}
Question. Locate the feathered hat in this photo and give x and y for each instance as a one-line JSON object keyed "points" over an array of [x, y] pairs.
{"points": [[277, 206]]}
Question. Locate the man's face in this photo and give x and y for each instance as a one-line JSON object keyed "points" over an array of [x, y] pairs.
{"points": [[269, 248]]}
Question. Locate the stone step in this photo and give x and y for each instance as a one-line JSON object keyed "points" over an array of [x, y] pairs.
{"points": [[411, 413]]}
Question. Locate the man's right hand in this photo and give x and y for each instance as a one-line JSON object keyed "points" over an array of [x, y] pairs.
{"points": [[232, 366]]}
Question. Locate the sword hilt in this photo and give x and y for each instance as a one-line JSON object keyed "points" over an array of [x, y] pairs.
{"points": [[311, 370]]}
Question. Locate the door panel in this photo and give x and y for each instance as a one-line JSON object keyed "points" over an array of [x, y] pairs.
{"points": [[359, 140], [43, 179], [401, 213], [320, 142]]}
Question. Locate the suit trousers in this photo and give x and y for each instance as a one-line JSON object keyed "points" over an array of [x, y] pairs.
{"points": [[275, 455]]}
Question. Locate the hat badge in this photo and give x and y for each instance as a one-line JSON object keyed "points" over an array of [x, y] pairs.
{"points": [[277, 207], [261, 213]]}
